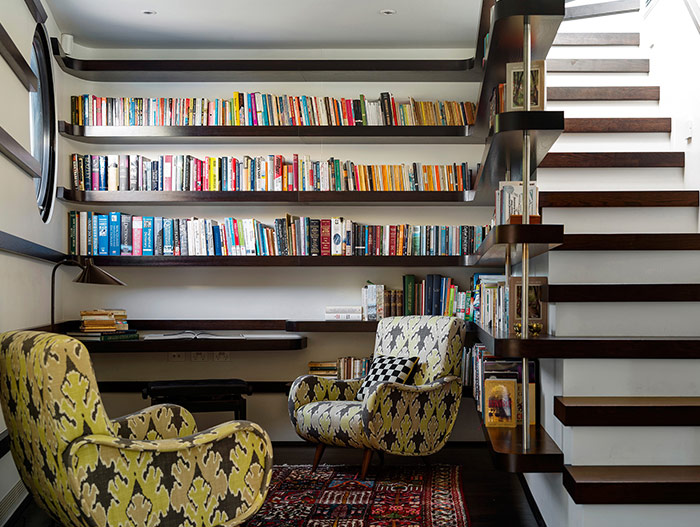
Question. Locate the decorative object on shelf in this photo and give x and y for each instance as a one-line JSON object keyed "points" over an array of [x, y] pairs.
{"points": [[389, 418], [535, 328], [515, 86], [90, 274], [63, 443], [537, 308], [500, 401]]}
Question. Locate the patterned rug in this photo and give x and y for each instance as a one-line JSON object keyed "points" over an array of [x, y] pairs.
{"points": [[391, 497]]}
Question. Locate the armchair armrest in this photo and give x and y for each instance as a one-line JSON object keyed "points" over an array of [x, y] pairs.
{"points": [[218, 477], [161, 421], [311, 388], [411, 420]]}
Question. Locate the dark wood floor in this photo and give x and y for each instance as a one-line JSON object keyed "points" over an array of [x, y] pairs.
{"points": [[494, 498]]}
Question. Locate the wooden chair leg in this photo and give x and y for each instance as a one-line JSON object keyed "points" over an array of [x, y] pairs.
{"points": [[366, 458], [317, 456]]}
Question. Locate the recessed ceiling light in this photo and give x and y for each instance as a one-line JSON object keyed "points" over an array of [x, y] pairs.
{"points": [[388, 12], [149, 12]]}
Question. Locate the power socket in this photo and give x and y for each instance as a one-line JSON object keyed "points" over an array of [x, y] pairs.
{"points": [[176, 356], [221, 356], [199, 356]]}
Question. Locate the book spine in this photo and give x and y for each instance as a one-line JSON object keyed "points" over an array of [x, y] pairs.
{"points": [[325, 238], [137, 235], [315, 237], [342, 316], [115, 222], [147, 237], [168, 237], [126, 235], [158, 236]]}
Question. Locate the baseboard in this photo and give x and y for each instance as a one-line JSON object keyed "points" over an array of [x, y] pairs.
{"points": [[13, 504], [531, 501]]}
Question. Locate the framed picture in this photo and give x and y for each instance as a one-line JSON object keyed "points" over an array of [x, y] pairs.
{"points": [[537, 308], [514, 86], [500, 398]]}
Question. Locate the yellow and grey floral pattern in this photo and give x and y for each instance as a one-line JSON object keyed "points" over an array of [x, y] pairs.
{"points": [[414, 419], [151, 468]]}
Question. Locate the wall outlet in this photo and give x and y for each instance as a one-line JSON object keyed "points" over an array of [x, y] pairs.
{"points": [[221, 356], [199, 356], [176, 356]]}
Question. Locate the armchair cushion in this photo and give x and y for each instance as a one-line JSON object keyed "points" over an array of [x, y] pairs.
{"points": [[312, 388], [386, 369], [337, 423]]}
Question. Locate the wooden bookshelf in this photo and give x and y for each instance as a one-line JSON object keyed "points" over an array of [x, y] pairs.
{"points": [[267, 70], [139, 197], [627, 411], [328, 326], [542, 238], [268, 134], [169, 345], [507, 452]]}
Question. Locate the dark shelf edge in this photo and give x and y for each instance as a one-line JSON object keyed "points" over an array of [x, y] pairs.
{"points": [[206, 345], [624, 414], [139, 386]]}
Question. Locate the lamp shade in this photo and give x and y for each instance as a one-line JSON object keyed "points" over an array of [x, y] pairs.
{"points": [[91, 274]]}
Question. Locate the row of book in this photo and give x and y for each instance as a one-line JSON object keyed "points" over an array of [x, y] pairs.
{"points": [[509, 202], [260, 173], [121, 234], [343, 368], [103, 320], [497, 388], [265, 109]]}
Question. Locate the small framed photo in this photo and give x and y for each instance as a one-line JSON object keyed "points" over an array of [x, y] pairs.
{"points": [[537, 308], [514, 86]]}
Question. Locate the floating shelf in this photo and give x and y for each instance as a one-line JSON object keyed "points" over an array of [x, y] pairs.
{"points": [[268, 134], [259, 343], [505, 145], [550, 347], [324, 326], [627, 411], [260, 198], [542, 238], [685, 241], [139, 386], [506, 447], [267, 70]]}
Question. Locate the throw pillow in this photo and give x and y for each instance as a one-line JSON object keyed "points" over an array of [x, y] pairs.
{"points": [[386, 369]]}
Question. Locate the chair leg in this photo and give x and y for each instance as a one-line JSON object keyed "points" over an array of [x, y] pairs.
{"points": [[317, 456], [366, 458]]}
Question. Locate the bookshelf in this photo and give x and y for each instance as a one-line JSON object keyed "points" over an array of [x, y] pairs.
{"points": [[170, 345]]}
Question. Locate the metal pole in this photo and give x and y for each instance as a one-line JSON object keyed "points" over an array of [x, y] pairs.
{"points": [[524, 302]]}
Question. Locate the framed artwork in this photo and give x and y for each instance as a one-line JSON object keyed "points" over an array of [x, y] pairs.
{"points": [[514, 86], [537, 308], [500, 397]]}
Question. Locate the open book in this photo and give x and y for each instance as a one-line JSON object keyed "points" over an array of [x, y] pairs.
{"points": [[189, 334]]}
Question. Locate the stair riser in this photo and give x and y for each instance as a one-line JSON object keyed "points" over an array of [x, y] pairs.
{"points": [[636, 515], [624, 267], [614, 220], [632, 445], [583, 109], [612, 142], [597, 52], [600, 9], [623, 22], [591, 179], [641, 319]]}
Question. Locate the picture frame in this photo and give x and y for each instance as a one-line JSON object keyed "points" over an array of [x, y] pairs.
{"points": [[538, 308], [514, 86]]}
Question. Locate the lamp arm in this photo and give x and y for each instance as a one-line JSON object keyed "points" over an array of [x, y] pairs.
{"points": [[65, 261]]}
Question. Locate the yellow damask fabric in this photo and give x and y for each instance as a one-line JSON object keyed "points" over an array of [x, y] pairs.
{"points": [[413, 420], [151, 468]]}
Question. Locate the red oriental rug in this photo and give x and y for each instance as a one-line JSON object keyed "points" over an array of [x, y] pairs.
{"points": [[392, 497]]}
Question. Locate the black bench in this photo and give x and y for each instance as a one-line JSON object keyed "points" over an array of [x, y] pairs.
{"points": [[202, 395]]}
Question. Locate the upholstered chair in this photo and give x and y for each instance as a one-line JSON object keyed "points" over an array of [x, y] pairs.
{"points": [[407, 419], [149, 468]]}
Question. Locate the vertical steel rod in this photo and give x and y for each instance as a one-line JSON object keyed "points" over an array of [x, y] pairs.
{"points": [[524, 302]]}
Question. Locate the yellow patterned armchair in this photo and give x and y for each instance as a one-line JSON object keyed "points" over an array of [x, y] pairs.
{"points": [[409, 420], [150, 468]]}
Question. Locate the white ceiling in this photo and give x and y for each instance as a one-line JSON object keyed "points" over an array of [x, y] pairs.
{"points": [[269, 23]]}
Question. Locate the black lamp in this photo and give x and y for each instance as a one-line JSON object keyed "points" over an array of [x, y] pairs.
{"points": [[91, 274]]}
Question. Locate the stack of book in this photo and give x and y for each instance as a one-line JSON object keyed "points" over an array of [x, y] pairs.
{"points": [[104, 325], [328, 369], [265, 109], [343, 313], [184, 173], [343, 368]]}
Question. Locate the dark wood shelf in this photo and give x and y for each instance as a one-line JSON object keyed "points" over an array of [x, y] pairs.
{"points": [[668, 484], [627, 411], [268, 134], [621, 292], [281, 261], [324, 326], [542, 238], [620, 198], [505, 144], [174, 325], [507, 42], [170, 345], [506, 447], [603, 93], [266, 70], [550, 347], [260, 198], [581, 125], [685, 241], [614, 160]]}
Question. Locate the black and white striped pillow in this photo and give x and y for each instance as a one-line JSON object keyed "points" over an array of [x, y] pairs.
{"points": [[386, 369]]}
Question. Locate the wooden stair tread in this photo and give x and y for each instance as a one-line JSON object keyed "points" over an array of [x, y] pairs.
{"points": [[596, 39], [613, 159], [670, 484], [601, 9], [555, 293], [631, 242], [603, 93], [627, 411], [618, 125], [598, 66], [506, 446], [619, 198]]}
